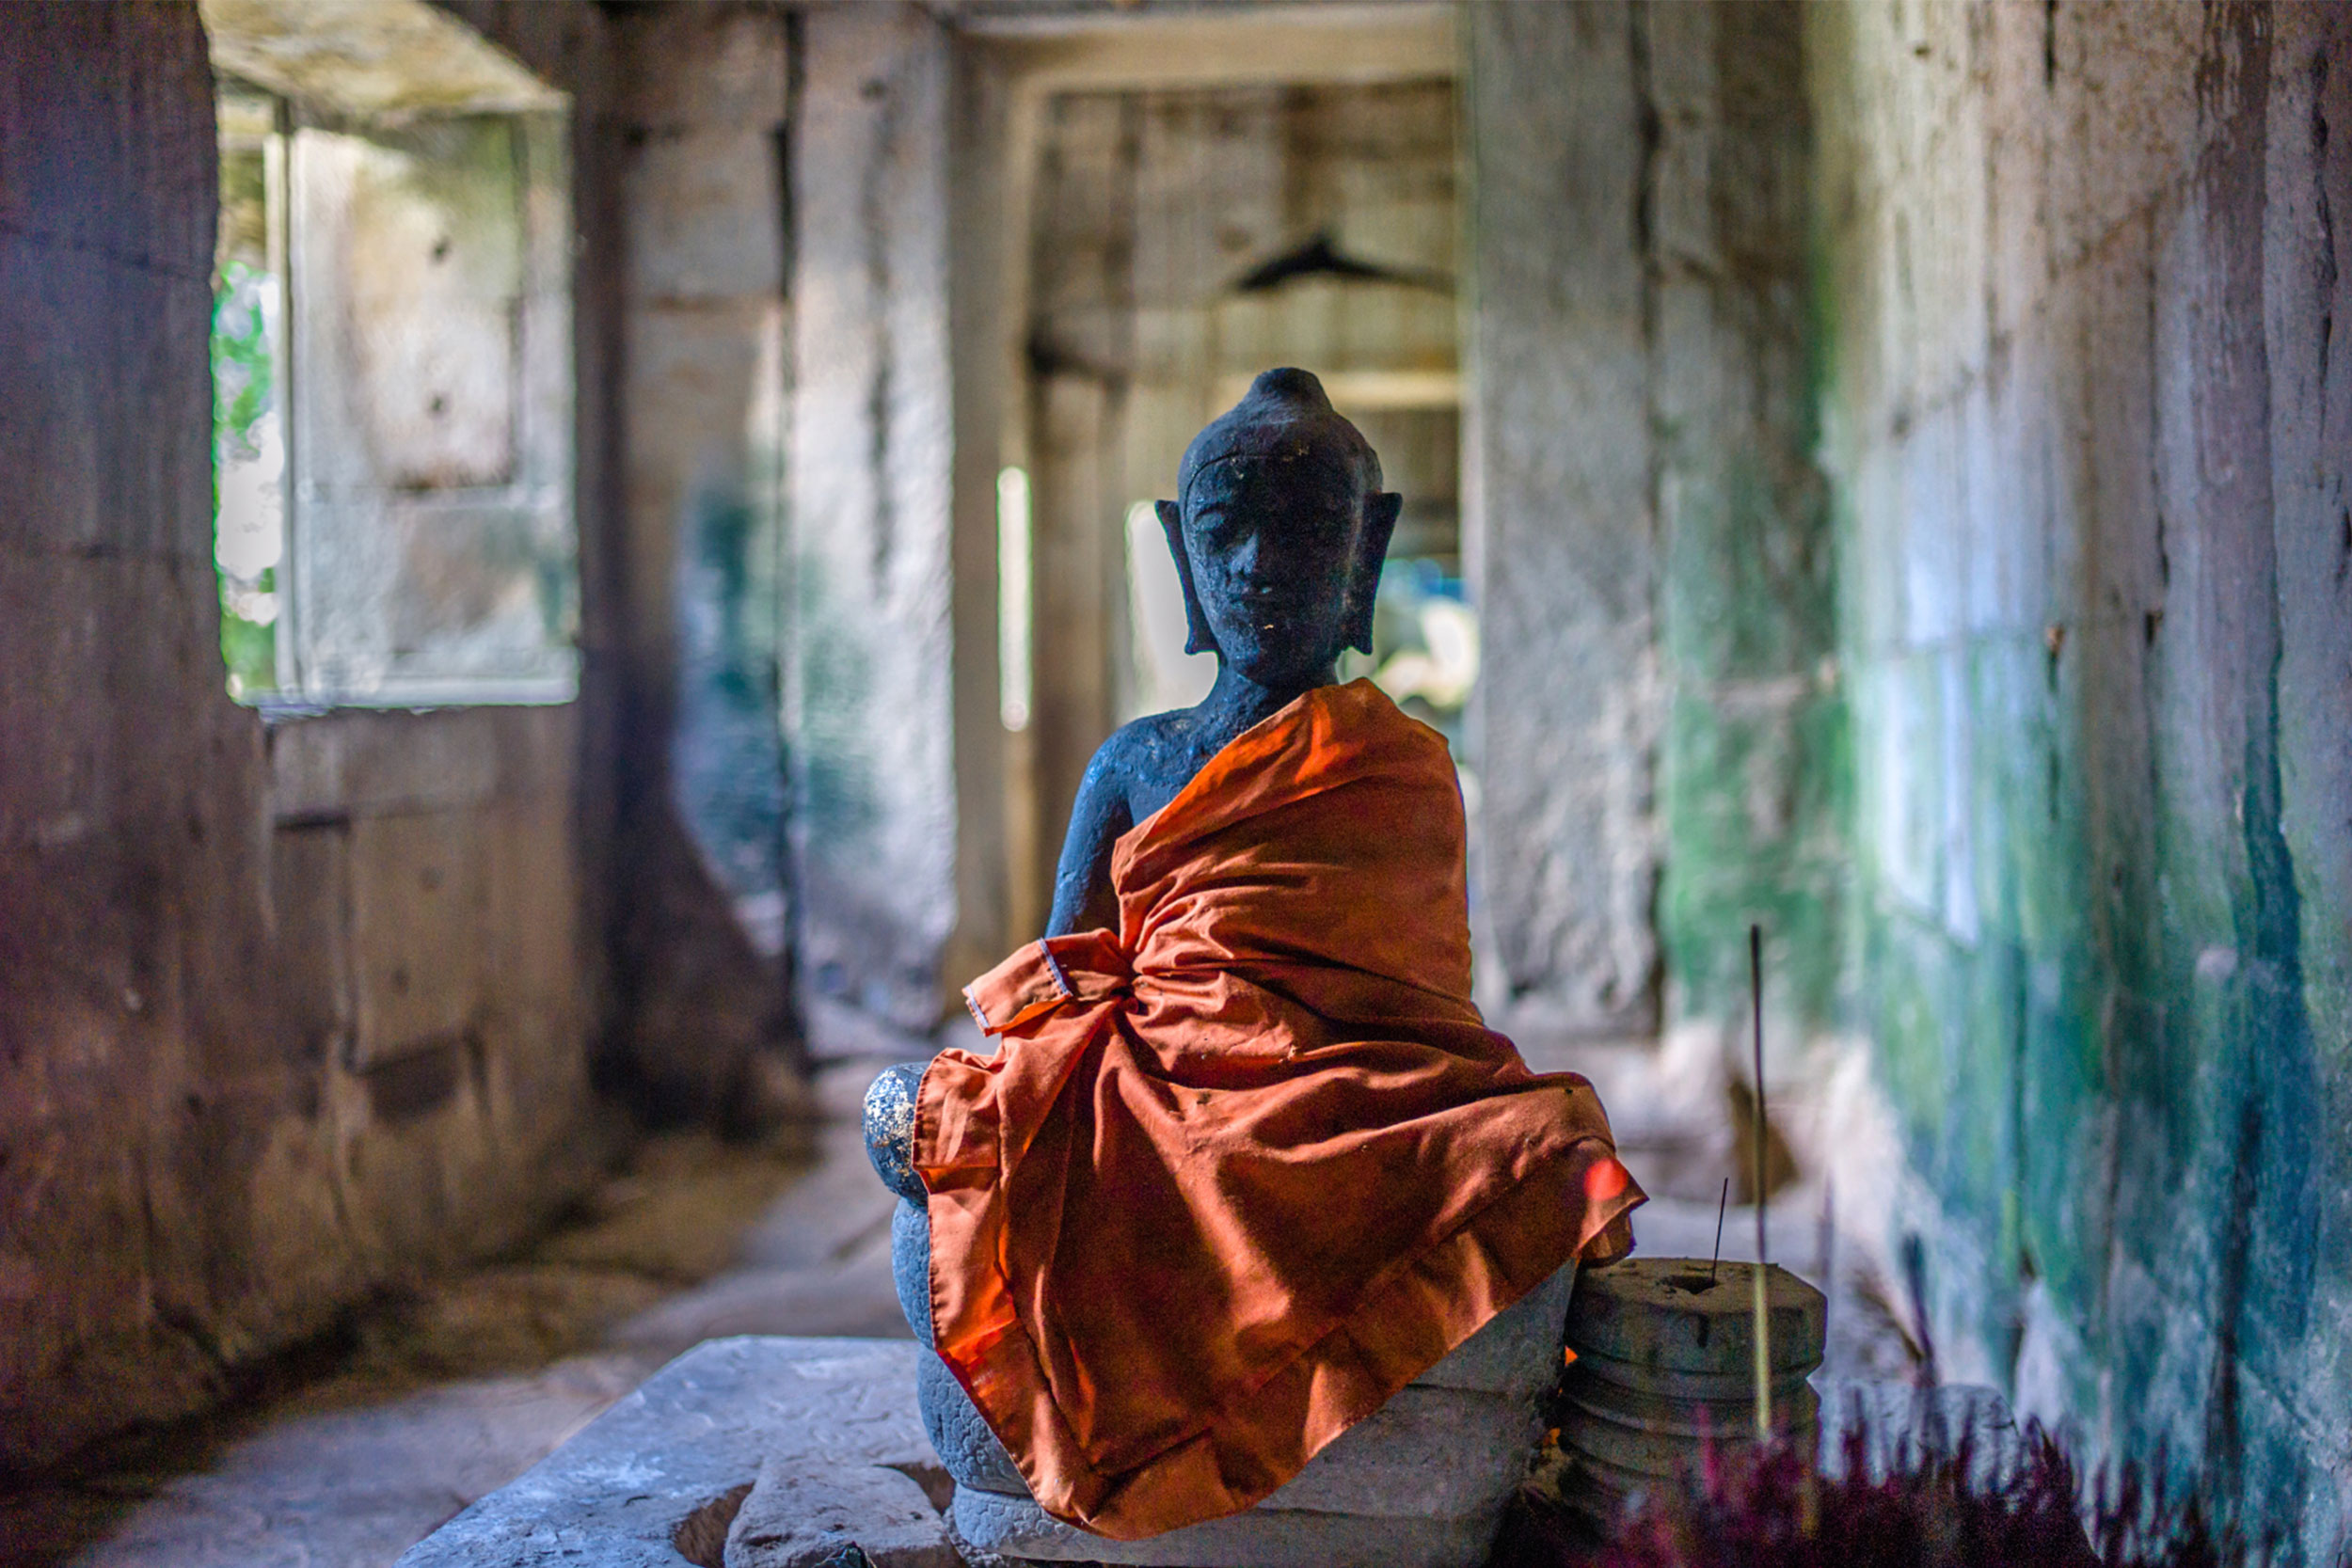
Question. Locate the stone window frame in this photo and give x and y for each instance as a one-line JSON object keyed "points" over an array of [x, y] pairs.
{"points": [[418, 567]]}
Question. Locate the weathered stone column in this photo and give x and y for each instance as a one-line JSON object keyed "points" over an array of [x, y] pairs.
{"points": [[869, 671], [706, 318], [1559, 524], [1749, 749], [1657, 714]]}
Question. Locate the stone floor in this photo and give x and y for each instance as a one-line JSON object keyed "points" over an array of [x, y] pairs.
{"points": [[359, 1448], [363, 1446]]}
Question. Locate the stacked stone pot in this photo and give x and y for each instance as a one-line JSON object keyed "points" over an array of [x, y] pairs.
{"points": [[1666, 1366], [1423, 1483]]}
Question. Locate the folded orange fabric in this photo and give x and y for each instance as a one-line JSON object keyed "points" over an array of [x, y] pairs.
{"points": [[1241, 1170]]}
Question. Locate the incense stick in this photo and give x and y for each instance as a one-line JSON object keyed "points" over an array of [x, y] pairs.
{"points": [[1763, 1314], [1715, 1262]]}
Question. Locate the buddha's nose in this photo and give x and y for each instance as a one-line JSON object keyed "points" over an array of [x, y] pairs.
{"points": [[1248, 552]]}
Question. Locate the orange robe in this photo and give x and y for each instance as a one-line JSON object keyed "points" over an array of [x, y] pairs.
{"points": [[1240, 1171]]}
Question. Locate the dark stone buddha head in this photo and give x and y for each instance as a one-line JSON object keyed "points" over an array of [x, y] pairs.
{"points": [[1279, 532]]}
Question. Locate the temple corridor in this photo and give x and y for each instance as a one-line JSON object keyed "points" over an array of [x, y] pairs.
{"points": [[565, 561]]}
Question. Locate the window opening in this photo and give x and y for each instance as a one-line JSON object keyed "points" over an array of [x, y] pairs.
{"points": [[393, 390], [1013, 653], [248, 381]]}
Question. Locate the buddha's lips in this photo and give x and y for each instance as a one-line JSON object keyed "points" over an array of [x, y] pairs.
{"points": [[1284, 592], [1272, 609]]}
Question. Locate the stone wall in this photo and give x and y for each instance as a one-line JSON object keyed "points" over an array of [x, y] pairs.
{"points": [[285, 1012], [776, 583], [2085, 401]]}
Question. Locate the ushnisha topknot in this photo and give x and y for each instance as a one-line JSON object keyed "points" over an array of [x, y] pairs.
{"points": [[1286, 416]]}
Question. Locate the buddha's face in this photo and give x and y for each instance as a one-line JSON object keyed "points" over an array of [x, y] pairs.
{"points": [[1284, 556]]}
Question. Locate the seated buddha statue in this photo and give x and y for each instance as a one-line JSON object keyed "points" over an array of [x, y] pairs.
{"points": [[1244, 1161]]}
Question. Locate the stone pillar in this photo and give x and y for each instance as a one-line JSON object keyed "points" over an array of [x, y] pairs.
{"points": [[1560, 525], [1749, 753], [706, 321], [131, 855], [1646, 529], [869, 671]]}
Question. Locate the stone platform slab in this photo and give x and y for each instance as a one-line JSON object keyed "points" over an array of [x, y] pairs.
{"points": [[660, 1479], [769, 1452]]}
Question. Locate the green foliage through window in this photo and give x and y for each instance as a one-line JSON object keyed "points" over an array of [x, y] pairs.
{"points": [[248, 425]]}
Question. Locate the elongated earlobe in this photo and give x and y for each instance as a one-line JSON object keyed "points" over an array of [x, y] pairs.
{"points": [[1198, 637], [1372, 550]]}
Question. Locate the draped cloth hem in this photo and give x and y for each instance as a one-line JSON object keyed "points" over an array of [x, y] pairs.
{"points": [[1409, 1322]]}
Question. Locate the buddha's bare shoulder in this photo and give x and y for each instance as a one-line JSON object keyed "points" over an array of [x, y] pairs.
{"points": [[1147, 761], [1154, 735]]}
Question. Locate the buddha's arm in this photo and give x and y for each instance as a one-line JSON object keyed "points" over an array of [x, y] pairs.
{"points": [[1083, 899]]}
